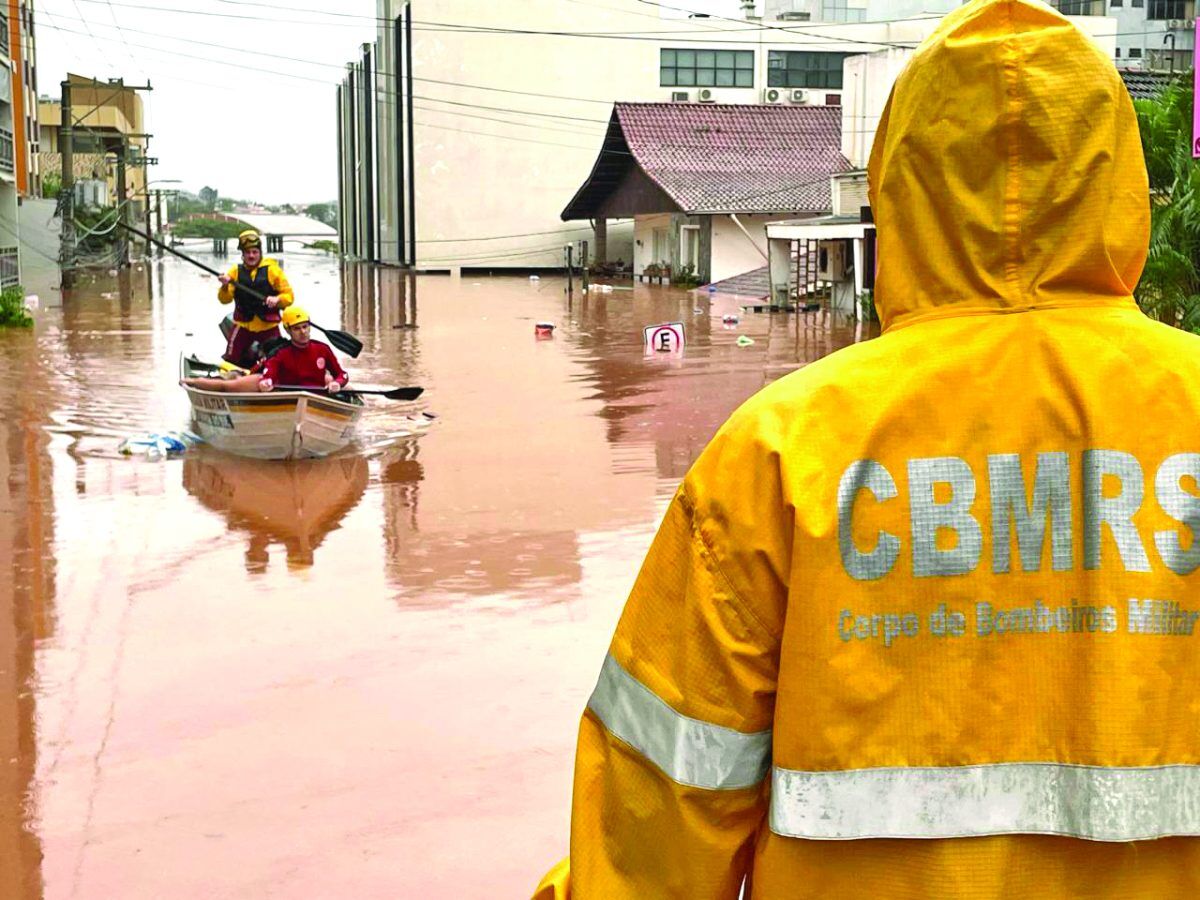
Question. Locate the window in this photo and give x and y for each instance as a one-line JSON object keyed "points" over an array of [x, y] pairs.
{"points": [[1118, 53], [1168, 9], [804, 69], [1135, 52], [1081, 7], [1138, 4], [1116, 2], [706, 68]]}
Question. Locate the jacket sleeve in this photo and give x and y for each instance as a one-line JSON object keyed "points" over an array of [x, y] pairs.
{"points": [[675, 743], [334, 367], [226, 291], [279, 284]]}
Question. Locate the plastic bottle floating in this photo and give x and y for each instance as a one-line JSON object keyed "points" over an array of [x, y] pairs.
{"points": [[729, 319]]}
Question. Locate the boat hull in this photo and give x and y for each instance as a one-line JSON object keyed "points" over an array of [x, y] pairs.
{"points": [[271, 425]]}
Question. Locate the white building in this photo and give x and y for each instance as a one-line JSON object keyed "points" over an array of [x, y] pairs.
{"points": [[510, 103], [10, 266]]}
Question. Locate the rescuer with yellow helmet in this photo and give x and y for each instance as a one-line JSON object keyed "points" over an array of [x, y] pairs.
{"points": [[299, 363], [255, 321], [923, 619], [302, 362]]}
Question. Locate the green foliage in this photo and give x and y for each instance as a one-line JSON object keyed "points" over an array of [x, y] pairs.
{"points": [[51, 185], [327, 246], [323, 212], [207, 228], [866, 304], [208, 196], [685, 276], [1169, 289], [12, 308]]}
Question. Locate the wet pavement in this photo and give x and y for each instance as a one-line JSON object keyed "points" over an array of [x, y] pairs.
{"points": [[358, 676]]}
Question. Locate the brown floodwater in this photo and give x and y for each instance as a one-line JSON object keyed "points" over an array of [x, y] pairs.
{"points": [[352, 677]]}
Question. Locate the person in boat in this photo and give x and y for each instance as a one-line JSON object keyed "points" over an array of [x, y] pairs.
{"points": [[255, 321], [301, 362]]}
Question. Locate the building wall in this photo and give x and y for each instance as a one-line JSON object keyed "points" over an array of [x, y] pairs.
{"points": [[104, 112], [732, 251], [868, 80], [1141, 42], [496, 159], [644, 241], [498, 167], [24, 96]]}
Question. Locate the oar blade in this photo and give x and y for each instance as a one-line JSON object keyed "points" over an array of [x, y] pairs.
{"points": [[347, 343], [404, 393]]}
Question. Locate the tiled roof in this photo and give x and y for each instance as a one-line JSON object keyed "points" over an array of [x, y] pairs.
{"points": [[722, 157], [1144, 85]]}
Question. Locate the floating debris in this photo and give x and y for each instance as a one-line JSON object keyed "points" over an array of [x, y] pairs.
{"points": [[158, 445], [729, 319], [744, 341], [543, 329]]}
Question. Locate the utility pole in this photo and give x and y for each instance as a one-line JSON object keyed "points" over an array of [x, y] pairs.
{"points": [[161, 230], [570, 252], [66, 254], [583, 262], [412, 146], [122, 206]]}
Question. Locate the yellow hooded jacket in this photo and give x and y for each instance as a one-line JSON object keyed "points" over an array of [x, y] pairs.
{"points": [[923, 620], [274, 284]]}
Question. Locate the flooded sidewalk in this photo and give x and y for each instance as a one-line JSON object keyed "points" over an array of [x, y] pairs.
{"points": [[222, 677]]}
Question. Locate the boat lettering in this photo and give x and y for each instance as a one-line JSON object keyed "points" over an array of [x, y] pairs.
{"points": [[216, 420]]}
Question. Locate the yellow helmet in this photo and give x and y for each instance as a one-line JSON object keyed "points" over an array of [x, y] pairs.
{"points": [[294, 315], [249, 238]]}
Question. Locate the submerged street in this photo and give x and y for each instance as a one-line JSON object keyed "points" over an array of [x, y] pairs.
{"points": [[223, 677]]}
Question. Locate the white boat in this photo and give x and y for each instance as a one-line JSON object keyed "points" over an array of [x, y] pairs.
{"points": [[270, 425]]}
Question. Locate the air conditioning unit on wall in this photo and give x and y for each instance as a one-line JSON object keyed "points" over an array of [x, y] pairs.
{"points": [[772, 95], [799, 96], [706, 95], [680, 96]]}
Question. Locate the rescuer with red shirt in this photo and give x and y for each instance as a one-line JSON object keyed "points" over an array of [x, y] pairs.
{"points": [[302, 362]]}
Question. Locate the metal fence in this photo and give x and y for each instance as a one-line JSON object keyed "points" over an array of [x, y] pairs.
{"points": [[10, 267], [6, 150]]}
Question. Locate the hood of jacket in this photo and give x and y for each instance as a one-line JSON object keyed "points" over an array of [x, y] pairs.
{"points": [[1007, 171]]}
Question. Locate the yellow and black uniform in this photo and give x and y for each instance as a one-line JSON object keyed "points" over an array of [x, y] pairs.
{"points": [[266, 278], [923, 620], [254, 323]]}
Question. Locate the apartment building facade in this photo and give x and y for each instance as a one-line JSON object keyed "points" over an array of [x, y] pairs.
{"points": [[464, 127]]}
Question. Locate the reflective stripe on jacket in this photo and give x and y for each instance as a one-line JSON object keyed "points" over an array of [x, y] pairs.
{"points": [[923, 618]]}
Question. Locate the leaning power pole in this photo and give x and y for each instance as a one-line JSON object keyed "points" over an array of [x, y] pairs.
{"points": [[66, 253]]}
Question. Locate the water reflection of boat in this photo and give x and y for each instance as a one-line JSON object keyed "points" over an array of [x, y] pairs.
{"points": [[274, 425], [296, 503]]}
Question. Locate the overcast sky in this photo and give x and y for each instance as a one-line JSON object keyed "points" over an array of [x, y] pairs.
{"points": [[224, 112]]}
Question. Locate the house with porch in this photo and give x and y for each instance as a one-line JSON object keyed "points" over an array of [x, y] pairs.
{"points": [[702, 181]]}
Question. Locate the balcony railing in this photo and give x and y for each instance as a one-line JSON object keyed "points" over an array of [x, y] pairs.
{"points": [[10, 267], [6, 151]]}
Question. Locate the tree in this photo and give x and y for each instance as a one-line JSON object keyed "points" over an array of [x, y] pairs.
{"points": [[208, 196], [323, 212], [1170, 286]]}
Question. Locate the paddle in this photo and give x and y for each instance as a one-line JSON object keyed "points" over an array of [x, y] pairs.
{"points": [[399, 393], [344, 341]]}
